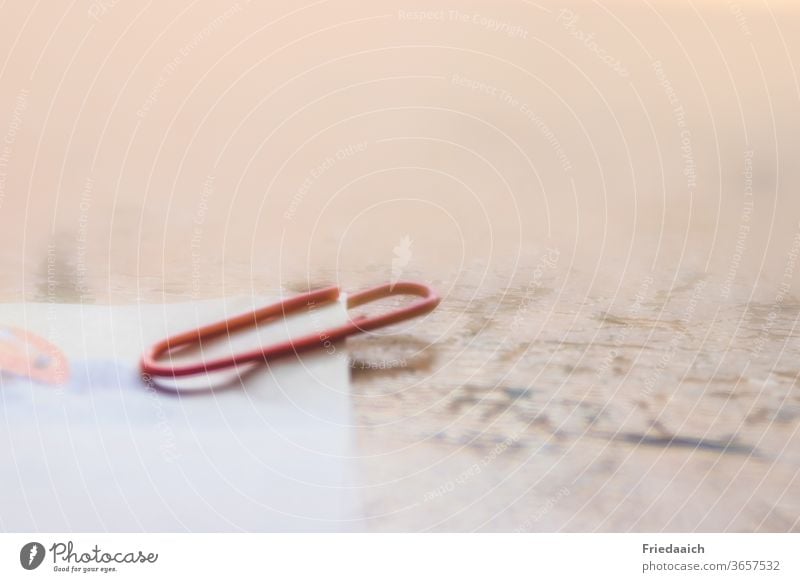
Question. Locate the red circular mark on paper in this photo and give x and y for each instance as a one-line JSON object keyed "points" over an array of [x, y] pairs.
{"points": [[26, 354]]}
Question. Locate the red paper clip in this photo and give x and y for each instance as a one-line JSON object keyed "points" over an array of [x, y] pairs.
{"points": [[150, 365]]}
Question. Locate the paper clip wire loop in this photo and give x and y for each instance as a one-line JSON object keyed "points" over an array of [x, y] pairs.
{"points": [[151, 366]]}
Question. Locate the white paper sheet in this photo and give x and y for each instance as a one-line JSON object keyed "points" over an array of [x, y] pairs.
{"points": [[104, 452]]}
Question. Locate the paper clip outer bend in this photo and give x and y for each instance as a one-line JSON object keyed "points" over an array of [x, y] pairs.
{"points": [[152, 367]]}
